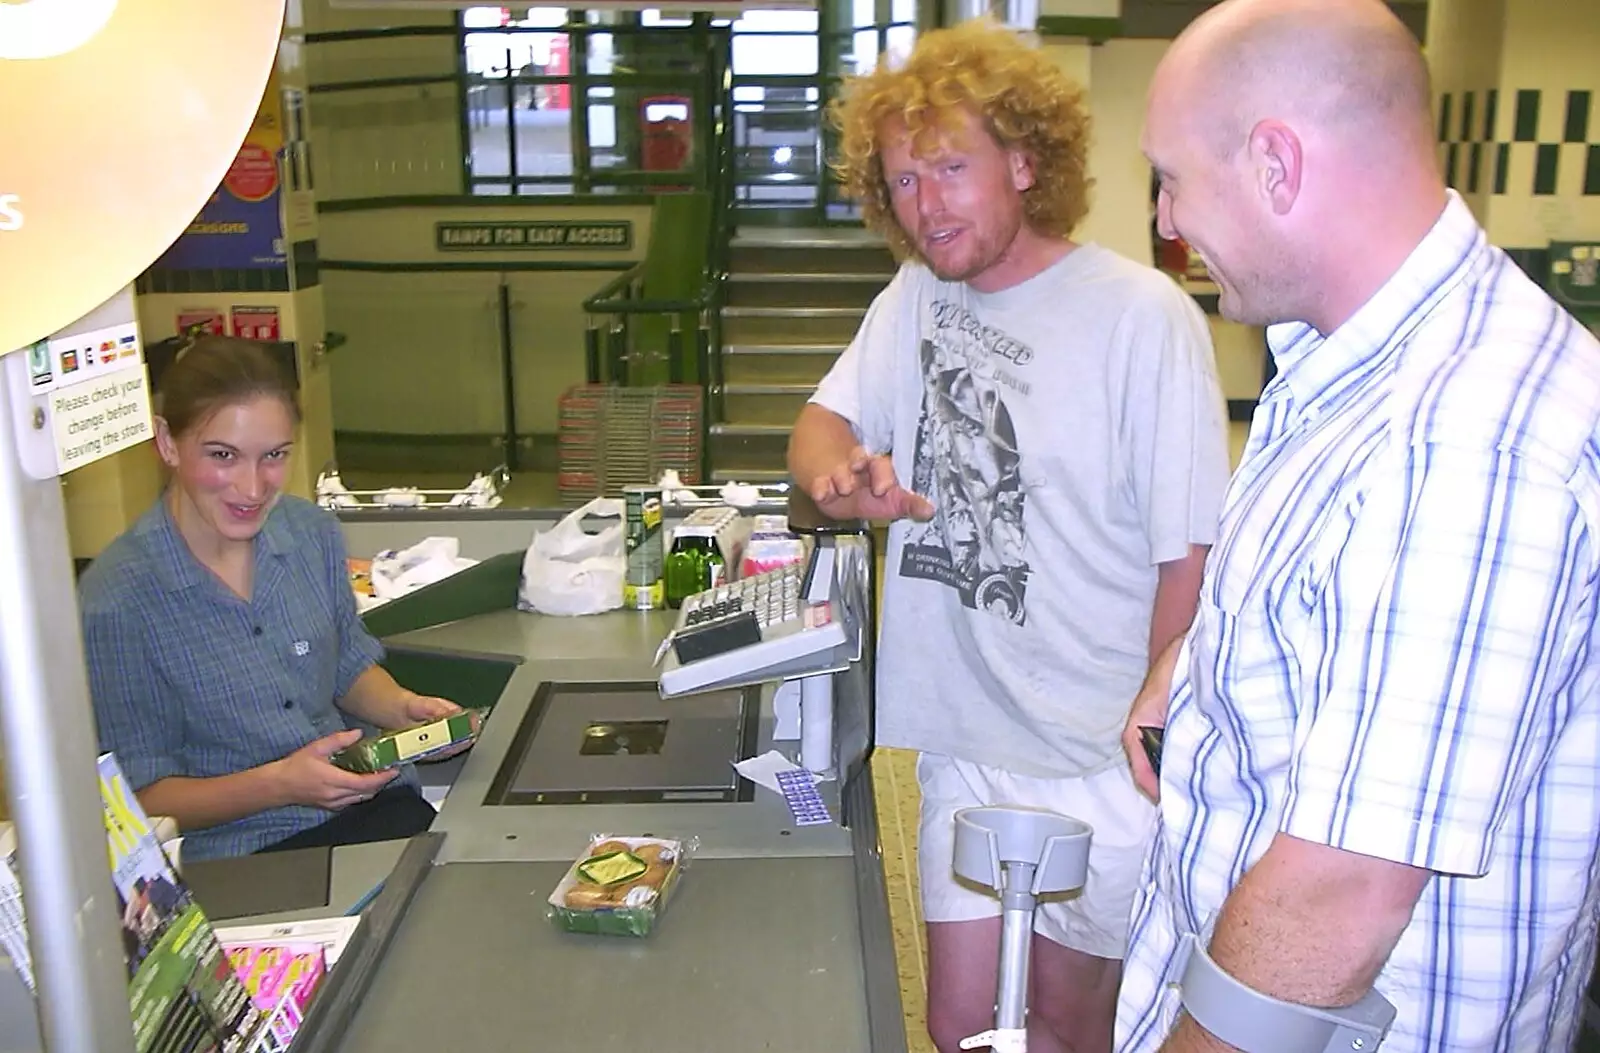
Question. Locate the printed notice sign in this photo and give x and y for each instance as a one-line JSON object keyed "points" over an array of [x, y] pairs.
{"points": [[98, 417], [525, 235], [93, 388]]}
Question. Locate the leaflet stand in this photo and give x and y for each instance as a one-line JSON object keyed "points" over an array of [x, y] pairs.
{"points": [[1021, 853]]}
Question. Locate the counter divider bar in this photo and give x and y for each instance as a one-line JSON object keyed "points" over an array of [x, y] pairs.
{"points": [[347, 983], [886, 1024]]}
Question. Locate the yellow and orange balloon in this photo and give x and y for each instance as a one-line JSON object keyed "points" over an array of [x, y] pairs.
{"points": [[120, 119]]}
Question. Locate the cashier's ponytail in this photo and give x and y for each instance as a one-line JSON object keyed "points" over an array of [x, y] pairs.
{"points": [[219, 371]]}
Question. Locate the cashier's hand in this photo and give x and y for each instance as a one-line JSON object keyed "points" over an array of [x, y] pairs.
{"points": [[1149, 710], [865, 487], [308, 777], [420, 709]]}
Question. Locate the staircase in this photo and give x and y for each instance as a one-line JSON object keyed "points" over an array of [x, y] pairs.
{"points": [[792, 301]]}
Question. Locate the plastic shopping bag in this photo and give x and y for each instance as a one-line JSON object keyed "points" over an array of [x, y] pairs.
{"points": [[569, 571], [396, 573]]}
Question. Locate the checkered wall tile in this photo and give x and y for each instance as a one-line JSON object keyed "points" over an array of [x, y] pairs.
{"points": [[1492, 144]]}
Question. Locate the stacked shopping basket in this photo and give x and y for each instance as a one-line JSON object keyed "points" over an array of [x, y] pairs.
{"points": [[610, 437]]}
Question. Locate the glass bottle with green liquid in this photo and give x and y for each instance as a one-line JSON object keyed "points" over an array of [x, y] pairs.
{"points": [[694, 564]]}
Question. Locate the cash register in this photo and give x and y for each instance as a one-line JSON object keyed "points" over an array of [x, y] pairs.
{"points": [[790, 622], [806, 627]]}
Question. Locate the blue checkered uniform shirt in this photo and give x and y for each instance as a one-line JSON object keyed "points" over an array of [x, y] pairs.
{"points": [[188, 679], [1396, 652]]}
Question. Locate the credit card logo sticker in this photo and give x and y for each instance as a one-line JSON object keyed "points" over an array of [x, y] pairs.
{"points": [[39, 371]]}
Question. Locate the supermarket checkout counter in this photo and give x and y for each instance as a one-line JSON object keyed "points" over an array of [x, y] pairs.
{"points": [[777, 936]]}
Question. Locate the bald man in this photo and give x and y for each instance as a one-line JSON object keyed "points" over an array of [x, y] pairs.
{"points": [[1381, 763]]}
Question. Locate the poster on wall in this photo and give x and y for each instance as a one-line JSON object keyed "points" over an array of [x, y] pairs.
{"points": [[241, 226], [201, 321], [256, 323]]}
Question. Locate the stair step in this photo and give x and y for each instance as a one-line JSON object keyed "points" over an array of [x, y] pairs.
{"points": [[780, 388], [811, 256], [881, 277], [783, 349], [750, 431], [782, 365], [791, 326], [750, 475], [783, 368], [742, 448], [803, 291], [793, 312], [807, 238], [765, 403]]}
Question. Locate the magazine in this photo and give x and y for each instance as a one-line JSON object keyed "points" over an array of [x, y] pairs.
{"points": [[13, 923], [186, 992], [183, 994]]}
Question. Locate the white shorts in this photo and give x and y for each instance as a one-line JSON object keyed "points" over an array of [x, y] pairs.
{"points": [[1095, 920]]}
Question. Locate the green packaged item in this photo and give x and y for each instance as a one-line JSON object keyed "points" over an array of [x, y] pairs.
{"points": [[414, 744], [620, 886], [611, 868]]}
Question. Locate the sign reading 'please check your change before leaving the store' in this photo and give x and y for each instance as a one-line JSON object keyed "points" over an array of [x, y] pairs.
{"points": [[524, 235]]}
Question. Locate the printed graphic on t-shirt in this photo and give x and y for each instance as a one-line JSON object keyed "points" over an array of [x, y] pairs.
{"points": [[967, 462]]}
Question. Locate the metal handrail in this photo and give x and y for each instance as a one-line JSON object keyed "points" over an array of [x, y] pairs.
{"points": [[596, 303]]}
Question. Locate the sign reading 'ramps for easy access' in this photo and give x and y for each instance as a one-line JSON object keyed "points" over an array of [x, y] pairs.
{"points": [[533, 235]]}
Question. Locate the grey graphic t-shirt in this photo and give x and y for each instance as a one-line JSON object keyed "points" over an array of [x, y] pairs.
{"points": [[1070, 432]]}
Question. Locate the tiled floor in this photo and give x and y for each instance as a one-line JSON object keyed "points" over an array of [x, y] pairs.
{"points": [[894, 778]]}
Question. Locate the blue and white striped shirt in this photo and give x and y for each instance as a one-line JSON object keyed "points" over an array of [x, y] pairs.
{"points": [[188, 679], [1395, 652]]}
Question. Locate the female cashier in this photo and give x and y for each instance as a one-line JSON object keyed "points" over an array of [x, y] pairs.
{"points": [[226, 661]]}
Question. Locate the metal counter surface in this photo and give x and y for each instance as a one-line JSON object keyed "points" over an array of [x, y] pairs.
{"points": [[617, 646], [776, 938], [739, 962]]}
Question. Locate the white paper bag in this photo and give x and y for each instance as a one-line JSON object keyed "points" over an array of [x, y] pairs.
{"points": [[569, 571]]}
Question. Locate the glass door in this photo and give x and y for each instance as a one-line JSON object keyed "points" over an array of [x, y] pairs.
{"points": [[787, 66]]}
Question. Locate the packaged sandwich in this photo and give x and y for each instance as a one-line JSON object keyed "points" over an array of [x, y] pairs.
{"points": [[620, 885], [418, 744]]}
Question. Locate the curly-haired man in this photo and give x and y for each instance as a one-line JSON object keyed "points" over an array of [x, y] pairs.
{"points": [[1054, 411]]}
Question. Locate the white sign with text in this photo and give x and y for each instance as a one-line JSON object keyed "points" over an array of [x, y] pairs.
{"points": [[81, 394], [100, 416]]}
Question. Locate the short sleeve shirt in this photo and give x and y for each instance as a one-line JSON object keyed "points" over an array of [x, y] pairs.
{"points": [[1397, 653], [1070, 433], [188, 679]]}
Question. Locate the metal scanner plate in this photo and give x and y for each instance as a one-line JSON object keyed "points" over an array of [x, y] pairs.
{"points": [[620, 743]]}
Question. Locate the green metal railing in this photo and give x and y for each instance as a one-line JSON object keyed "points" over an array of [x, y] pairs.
{"points": [[637, 337]]}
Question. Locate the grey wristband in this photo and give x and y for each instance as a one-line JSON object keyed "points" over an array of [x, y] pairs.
{"points": [[1256, 1023]]}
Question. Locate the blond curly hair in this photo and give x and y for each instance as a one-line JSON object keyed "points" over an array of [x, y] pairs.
{"points": [[1023, 99]]}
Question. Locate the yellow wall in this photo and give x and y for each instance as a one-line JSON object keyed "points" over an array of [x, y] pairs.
{"points": [[104, 498], [1119, 74], [1552, 46], [1120, 78], [1509, 46], [424, 349], [383, 141], [1463, 49]]}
